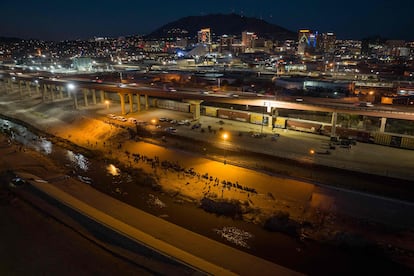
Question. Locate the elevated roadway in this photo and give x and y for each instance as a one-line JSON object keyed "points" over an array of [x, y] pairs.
{"points": [[229, 98]]}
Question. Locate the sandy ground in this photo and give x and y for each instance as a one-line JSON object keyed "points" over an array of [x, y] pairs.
{"points": [[91, 129]]}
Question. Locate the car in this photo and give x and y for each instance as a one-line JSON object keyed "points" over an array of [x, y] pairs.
{"points": [[132, 120], [170, 130], [17, 182], [121, 85], [163, 119], [120, 118], [365, 104], [183, 122]]}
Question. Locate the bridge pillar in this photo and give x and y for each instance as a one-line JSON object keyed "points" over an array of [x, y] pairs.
{"points": [[195, 108], [37, 88], [20, 88], [68, 92], [131, 103], [5, 85], [138, 102], [122, 97], [60, 88], [93, 96], [52, 92], [269, 121], [10, 83], [28, 88], [146, 102], [75, 100], [102, 94], [383, 124], [85, 96], [44, 91], [333, 121]]}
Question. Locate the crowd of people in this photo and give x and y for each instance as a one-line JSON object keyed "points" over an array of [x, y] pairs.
{"points": [[174, 166]]}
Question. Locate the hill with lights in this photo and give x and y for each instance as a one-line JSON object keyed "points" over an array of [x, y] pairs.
{"points": [[222, 24]]}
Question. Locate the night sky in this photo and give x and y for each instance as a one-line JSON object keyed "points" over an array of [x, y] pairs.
{"points": [[75, 19]]}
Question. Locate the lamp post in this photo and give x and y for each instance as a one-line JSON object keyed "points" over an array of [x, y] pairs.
{"points": [[225, 136]]}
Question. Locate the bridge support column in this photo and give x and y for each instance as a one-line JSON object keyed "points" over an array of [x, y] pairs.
{"points": [[131, 103], [138, 102], [93, 96], [44, 91], [20, 88], [122, 97], [146, 102], [383, 124], [29, 90], [85, 96], [60, 88], [52, 92], [5, 82], [195, 108], [333, 121], [68, 92], [37, 88], [102, 95], [75, 100], [269, 121], [10, 82], [7, 85]]}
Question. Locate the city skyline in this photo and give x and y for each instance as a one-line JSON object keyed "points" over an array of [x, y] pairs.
{"points": [[47, 20]]}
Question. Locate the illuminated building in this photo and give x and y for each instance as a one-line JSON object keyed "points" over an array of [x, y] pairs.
{"points": [[204, 36], [306, 41], [248, 39], [226, 43], [326, 42]]}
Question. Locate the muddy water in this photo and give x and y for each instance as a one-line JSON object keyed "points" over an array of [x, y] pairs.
{"points": [[304, 256]]}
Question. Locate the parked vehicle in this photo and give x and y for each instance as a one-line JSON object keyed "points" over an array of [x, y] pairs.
{"points": [[171, 130], [132, 120]]}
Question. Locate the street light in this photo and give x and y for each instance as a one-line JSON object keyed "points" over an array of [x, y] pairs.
{"points": [[71, 86], [225, 136]]}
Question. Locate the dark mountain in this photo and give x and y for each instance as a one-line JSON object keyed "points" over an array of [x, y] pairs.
{"points": [[220, 24], [9, 39]]}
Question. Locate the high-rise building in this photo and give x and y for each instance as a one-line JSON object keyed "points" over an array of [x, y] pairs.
{"points": [[204, 36], [248, 39], [226, 43], [326, 42], [307, 41]]}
